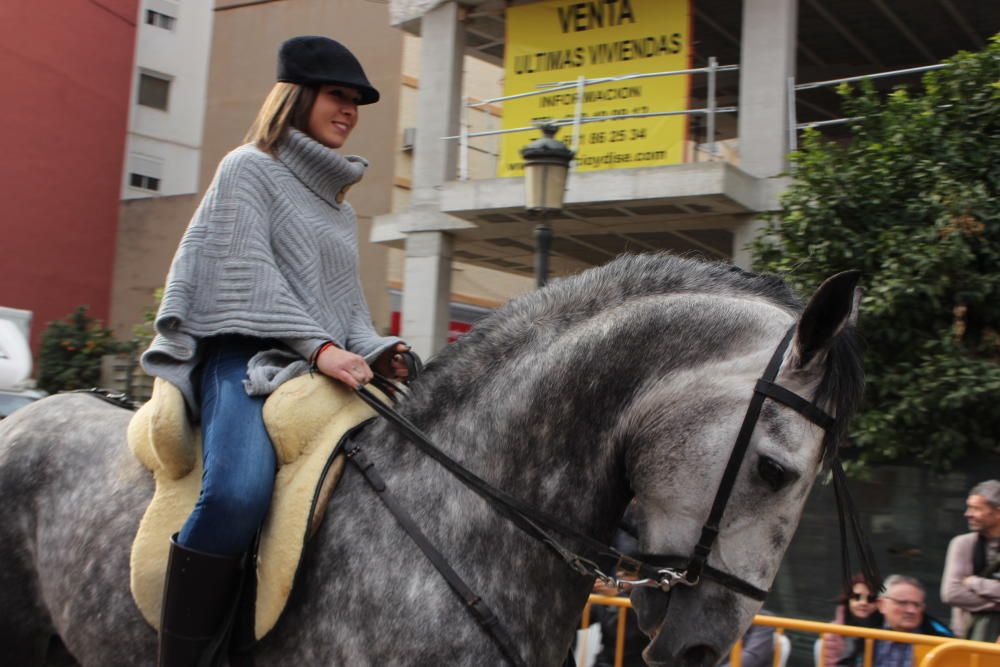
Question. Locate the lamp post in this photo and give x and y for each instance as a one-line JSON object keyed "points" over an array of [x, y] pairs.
{"points": [[546, 163]]}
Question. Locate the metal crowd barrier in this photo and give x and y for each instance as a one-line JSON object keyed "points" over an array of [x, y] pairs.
{"points": [[928, 651]]}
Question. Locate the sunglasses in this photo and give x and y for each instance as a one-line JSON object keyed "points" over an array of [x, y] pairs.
{"points": [[861, 597], [907, 604]]}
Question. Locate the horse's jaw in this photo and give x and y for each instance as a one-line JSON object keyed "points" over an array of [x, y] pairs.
{"points": [[689, 629]]}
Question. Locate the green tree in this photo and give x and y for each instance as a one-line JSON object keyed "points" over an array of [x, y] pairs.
{"points": [[138, 386], [71, 351], [143, 334], [911, 199]]}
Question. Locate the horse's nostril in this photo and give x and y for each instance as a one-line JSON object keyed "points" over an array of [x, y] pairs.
{"points": [[699, 655]]}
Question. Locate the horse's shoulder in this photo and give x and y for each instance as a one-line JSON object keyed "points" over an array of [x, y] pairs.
{"points": [[70, 403], [61, 420]]}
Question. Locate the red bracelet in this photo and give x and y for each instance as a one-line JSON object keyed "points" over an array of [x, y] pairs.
{"points": [[319, 351]]}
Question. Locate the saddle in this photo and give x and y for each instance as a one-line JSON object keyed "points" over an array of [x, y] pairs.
{"points": [[307, 418]]}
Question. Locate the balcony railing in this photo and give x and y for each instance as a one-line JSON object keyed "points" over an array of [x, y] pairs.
{"points": [[709, 150], [710, 113]]}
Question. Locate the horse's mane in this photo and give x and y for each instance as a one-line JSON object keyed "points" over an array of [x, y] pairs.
{"points": [[578, 297], [566, 301], [842, 386]]}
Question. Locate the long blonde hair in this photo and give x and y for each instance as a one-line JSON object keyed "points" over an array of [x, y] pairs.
{"points": [[287, 105]]}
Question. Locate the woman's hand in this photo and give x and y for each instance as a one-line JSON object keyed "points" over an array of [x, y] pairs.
{"points": [[347, 367], [390, 363]]}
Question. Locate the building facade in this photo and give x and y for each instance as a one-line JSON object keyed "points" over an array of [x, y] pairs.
{"points": [[240, 66], [475, 289], [711, 204], [68, 72], [168, 99]]}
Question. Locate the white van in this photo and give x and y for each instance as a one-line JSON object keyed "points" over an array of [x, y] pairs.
{"points": [[16, 387]]}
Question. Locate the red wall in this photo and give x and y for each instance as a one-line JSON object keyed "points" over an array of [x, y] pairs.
{"points": [[66, 72]]}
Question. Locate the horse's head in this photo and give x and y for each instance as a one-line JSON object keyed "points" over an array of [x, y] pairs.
{"points": [[677, 457]]}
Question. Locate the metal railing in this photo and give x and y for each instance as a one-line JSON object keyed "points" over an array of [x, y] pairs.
{"points": [[710, 111], [929, 651], [794, 126]]}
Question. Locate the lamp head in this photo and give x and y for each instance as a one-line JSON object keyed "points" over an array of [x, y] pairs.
{"points": [[546, 163]]}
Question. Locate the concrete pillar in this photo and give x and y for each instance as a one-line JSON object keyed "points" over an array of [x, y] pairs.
{"points": [[439, 101], [767, 59], [427, 291], [427, 270], [743, 234]]}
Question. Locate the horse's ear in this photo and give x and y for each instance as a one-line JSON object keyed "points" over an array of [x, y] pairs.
{"points": [[831, 308]]}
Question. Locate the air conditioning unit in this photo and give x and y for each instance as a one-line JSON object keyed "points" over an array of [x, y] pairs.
{"points": [[409, 137]]}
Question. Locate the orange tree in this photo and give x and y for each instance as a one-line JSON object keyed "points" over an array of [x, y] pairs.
{"points": [[71, 351], [912, 201]]}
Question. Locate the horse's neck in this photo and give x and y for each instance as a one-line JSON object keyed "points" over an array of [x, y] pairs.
{"points": [[566, 474], [549, 448]]}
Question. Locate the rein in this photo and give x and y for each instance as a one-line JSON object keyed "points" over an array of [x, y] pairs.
{"points": [[651, 570]]}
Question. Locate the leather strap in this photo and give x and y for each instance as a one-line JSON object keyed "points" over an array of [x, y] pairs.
{"points": [[414, 366], [711, 528], [808, 410], [707, 572], [537, 524], [115, 398], [530, 520], [482, 614]]}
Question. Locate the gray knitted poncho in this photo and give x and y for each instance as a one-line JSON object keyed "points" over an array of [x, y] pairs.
{"points": [[269, 253]]}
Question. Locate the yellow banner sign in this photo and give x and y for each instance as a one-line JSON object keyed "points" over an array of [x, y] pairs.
{"points": [[561, 40]]}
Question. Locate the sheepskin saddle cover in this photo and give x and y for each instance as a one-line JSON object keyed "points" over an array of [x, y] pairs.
{"points": [[307, 418]]}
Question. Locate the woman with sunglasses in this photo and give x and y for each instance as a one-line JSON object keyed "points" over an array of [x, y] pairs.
{"points": [[856, 607]]}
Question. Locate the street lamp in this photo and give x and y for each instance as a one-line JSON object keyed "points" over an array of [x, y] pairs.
{"points": [[546, 162]]}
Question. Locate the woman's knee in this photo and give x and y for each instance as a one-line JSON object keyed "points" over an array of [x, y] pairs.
{"points": [[247, 504]]}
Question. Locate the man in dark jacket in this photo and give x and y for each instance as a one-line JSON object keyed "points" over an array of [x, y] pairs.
{"points": [[902, 607]]}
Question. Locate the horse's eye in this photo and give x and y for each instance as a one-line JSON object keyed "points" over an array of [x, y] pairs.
{"points": [[771, 472]]}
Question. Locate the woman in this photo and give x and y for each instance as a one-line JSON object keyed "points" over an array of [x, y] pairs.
{"points": [[855, 608], [264, 287]]}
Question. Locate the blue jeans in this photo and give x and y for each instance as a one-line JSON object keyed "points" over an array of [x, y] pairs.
{"points": [[239, 460]]}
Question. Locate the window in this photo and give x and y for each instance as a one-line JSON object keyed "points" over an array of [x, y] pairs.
{"points": [[160, 20], [144, 182], [145, 172], [153, 91]]}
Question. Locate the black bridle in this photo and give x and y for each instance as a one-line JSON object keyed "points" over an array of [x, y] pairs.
{"points": [[690, 570], [650, 570]]}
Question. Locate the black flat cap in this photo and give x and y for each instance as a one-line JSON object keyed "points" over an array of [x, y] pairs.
{"points": [[312, 60]]}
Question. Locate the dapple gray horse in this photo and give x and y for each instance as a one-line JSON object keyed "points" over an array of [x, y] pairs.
{"points": [[631, 378]]}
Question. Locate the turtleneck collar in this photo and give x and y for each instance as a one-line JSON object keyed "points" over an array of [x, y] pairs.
{"points": [[323, 170]]}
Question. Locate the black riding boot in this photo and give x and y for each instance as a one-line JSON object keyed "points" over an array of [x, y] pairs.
{"points": [[198, 597]]}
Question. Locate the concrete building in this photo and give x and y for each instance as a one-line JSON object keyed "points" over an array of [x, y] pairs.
{"points": [[67, 70], [708, 207], [168, 99], [475, 289], [240, 71], [240, 66]]}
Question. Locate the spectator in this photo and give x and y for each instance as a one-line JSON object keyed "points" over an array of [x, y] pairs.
{"points": [[971, 579], [607, 616], [626, 541], [758, 646], [856, 608], [902, 608]]}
